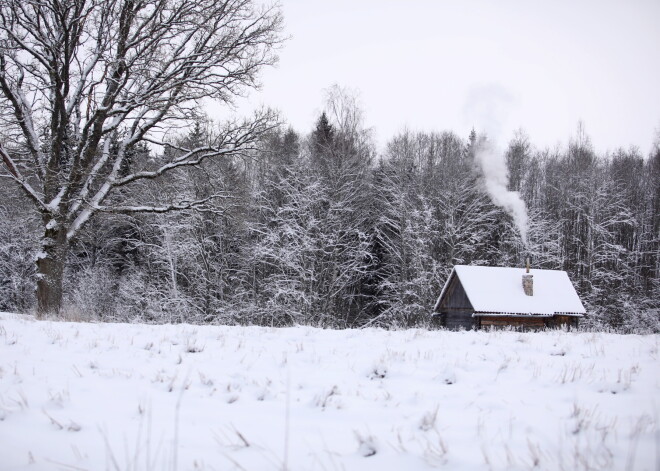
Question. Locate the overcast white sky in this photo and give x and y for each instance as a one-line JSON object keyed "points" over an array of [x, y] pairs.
{"points": [[438, 65]]}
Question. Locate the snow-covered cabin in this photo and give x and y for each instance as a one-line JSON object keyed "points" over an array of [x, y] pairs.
{"points": [[475, 297]]}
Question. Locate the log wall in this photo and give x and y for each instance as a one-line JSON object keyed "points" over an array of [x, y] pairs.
{"points": [[506, 321]]}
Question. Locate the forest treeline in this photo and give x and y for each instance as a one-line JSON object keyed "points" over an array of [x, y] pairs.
{"points": [[320, 229]]}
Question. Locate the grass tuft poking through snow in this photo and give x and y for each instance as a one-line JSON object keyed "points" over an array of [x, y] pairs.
{"points": [[143, 397]]}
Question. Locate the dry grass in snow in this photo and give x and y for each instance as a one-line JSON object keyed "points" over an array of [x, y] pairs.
{"points": [[181, 397]]}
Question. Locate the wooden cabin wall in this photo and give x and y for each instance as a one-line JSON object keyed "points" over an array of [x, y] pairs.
{"points": [[528, 322], [560, 321], [455, 319], [456, 309], [513, 321]]}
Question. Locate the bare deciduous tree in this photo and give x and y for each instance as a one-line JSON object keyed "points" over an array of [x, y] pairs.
{"points": [[82, 82]]}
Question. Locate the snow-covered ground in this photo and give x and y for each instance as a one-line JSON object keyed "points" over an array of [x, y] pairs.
{"points": [[139, 397]]}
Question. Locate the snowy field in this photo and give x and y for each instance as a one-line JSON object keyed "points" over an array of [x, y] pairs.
{"points": [[140, 397]]}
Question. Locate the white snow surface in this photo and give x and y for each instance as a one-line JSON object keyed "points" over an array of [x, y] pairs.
{"points": [[94, 396], [499, 290]]}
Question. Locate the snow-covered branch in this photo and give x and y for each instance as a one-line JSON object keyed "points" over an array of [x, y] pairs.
{"points": [[16, 175], [202, 205]]}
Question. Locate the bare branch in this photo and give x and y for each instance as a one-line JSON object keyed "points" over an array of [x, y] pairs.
{"points": [[16, 175]]}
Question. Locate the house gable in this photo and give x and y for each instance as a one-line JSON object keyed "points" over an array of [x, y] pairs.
{"points": [[455, 297], [454, 306]]}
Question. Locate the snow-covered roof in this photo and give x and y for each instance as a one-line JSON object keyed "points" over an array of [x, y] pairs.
{"points": [[498, 290]]}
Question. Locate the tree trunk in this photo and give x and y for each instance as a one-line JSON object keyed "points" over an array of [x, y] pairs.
{"points": [[50, 271]]}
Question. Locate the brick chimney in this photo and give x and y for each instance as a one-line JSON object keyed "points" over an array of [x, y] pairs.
{"points": [[528, 282]]}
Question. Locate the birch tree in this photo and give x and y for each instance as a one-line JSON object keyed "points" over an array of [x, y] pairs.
{"points": [[82, 82]]}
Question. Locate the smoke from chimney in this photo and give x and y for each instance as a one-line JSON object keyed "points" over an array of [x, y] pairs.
{"points": [[487, 106], [496, 180]]}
